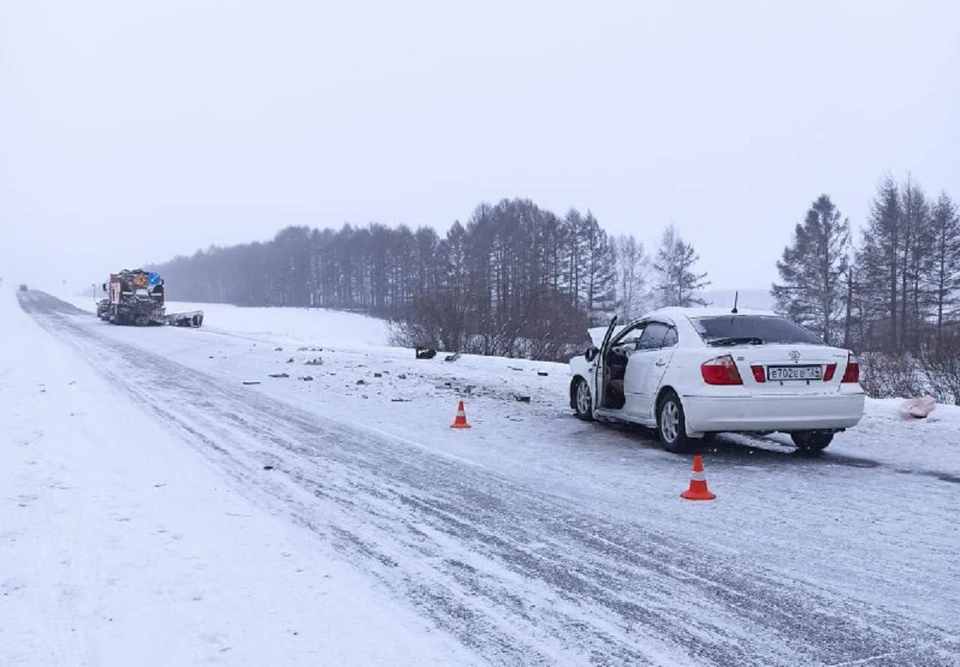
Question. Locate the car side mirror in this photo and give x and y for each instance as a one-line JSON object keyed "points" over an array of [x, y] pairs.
{"points": [[591, 353]]}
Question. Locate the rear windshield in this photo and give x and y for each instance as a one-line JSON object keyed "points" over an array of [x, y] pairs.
{"points": [[766, 328]]}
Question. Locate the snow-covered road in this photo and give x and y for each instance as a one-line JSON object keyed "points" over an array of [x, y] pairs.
{"points": [[532, 538]]}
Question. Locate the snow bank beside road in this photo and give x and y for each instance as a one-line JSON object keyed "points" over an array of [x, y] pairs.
{"points": [[120, 546], [315, 326]]}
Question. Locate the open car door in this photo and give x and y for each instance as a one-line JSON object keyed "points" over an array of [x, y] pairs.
{"points": [[600, 368]]}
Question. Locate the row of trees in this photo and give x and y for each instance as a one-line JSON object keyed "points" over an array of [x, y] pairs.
{"points": [[894, 296], [894, 290], [514, 280], [519, 280]]}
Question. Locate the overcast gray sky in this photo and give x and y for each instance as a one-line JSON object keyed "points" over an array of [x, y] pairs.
{"points": [[135, 131]]}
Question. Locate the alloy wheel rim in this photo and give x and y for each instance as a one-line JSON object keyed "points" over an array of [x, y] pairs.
{"points": [[583, 398], [669, 421]]}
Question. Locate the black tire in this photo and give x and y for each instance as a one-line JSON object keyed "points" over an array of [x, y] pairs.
{"points": [[672, 424], [812, 441], [582, 399]]}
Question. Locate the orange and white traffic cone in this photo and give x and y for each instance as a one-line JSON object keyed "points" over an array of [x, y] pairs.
{"points": [[461, 420], [698, 483]]}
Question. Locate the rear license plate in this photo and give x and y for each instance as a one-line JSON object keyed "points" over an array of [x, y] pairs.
{"points": [[780, 373]]}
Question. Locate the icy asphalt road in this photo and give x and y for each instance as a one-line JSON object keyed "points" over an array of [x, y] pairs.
{"points": [[520, 574]]}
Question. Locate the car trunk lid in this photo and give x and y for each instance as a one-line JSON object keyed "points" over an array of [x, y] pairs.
{"points": [[789, 369]]}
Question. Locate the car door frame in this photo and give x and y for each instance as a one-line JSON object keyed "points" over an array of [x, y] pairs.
{"points": [[609, 341], [657, 361], [597, 379]]}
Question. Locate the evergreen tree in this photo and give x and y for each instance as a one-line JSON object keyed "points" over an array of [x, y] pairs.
{"points": [[944, 276], [917, 234], [812, 291], [676, 282], [879, 266]]}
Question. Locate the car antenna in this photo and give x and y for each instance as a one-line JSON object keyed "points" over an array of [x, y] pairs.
{"points": [[736, 297]]}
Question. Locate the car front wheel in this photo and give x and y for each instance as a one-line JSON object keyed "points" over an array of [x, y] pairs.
{"points": [[672, 425], [812, 441], [582, 401]]}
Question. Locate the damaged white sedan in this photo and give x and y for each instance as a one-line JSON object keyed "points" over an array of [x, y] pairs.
{"points": [[690, 372]]}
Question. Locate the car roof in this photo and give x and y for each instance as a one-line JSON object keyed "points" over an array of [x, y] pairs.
{"points": [[672, 312], [677, 315]]}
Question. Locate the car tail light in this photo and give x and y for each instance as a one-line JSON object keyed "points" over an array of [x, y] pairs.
{"points": [[758, 374], [852, 374], [721, 370], [829, 372]]}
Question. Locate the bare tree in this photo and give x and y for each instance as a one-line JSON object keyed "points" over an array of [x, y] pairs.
{"points": [[632, 276]]}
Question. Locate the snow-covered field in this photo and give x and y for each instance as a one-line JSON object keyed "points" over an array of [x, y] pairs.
{"points": [[160, 511]]}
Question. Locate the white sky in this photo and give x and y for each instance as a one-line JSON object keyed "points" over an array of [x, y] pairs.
{"points": [[130, 132]]}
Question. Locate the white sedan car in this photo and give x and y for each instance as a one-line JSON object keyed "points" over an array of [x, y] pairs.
{"points": [[689, 372]]}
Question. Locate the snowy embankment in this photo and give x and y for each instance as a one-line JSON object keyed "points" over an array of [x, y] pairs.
{"points": [[361, 343], [120, 546], [534, 537]]}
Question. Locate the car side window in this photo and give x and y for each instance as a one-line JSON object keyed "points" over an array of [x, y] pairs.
{"points": [[630, 338], [670, 338], [654, 336]]}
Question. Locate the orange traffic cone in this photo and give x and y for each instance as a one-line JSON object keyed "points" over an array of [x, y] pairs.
{"points": [[698, 483], [461, 420]]}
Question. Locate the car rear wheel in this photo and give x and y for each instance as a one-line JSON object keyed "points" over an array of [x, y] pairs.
{"points": [[672, 425], [812, 441], [582, 401]]}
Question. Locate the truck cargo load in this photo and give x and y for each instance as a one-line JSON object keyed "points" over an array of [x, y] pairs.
{"points": [[136, 297]]}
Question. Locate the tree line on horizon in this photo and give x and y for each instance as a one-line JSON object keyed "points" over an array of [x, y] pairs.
{"points": [[519, 280], [514, 280]]}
